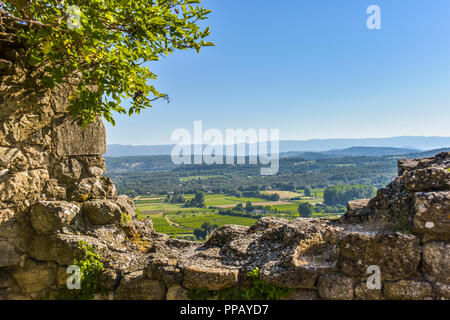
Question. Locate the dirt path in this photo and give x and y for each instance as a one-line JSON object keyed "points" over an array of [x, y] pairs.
{"points": [[174, 224]]}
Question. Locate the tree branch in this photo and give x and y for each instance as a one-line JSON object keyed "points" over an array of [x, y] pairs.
{"points": [[6, 14]]}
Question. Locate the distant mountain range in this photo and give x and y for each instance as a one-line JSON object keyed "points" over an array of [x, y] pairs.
{"points": [[326, 147], [350, 152]]}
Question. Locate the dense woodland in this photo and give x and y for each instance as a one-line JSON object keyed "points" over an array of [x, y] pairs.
{"points": [[157, 175]]}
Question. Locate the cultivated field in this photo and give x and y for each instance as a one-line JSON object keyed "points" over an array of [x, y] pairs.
{"points": [[179, 221], [284, 194]]}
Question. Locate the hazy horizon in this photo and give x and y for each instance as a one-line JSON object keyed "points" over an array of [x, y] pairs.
{"points": [[302, 140]]}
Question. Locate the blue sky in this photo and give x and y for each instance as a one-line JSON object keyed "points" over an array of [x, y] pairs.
{"points": [[309, 68]]}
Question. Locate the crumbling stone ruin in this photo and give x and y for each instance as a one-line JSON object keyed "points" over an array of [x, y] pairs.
{"points": [[53, 194]]}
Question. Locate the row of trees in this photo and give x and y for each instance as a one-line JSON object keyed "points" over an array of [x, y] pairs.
{"points": [[198, 201], [341, 194], [305, 210], [205, 230], [175, 198]]}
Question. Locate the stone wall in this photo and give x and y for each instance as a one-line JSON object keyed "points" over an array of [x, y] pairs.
{"points": [[53, 194], [52, 189]]}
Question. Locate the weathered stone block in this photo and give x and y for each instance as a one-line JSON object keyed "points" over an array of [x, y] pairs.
{"points": [[441, 290], [428, 179], [299, 277], [71, 139], [196, 277], [60, 248], [163, 269], [357, 210], [436, 260], [94, 188], [397, 255], [53, 191], [225, 235], [177, 292], [23, 185], [335, 286], [302, 294], [407, 290], [102, 211], [35, 277], [49, 216], [12, 158], [362, 292], [8, 255], [126, 205], [136, 286], [68, 171], [6, 280], [432, 211]]}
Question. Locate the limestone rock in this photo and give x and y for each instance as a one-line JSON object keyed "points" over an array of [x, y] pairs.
{"points": [[407, 290], [441, 290], [357, 211], [54, 191], [5, 280], [197, 277], [335, 286], [102, 211], [431, 220], [94, 188], [428, 179], [49, 216], [136, 286], [23, 185], [126, 205], [60, 248], [394, 206], [68, 171], [95, 171], [436, 260], [397, 255], [109, 279], [35, 277], [164, 269], [362, 292], [302, 294], [8, 255], [71, 139], [226, 234], [12, 158], [299, 277], [177, 292]]}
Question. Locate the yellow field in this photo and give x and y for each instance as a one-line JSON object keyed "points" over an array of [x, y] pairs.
{"points": [[283, 194]]}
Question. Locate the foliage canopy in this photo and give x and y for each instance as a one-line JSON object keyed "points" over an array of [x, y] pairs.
{"points": [[105, 43], [305, 209]]}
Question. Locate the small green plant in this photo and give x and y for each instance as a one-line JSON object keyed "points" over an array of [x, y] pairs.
{"points": [[90, 268], [406, 231], [257, 290], [448, 170], [139, 215], [126, 219], [260, 290]]}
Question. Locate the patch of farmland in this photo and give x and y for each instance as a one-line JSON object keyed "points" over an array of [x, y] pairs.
{"points": [[162, 225], [217, 200], [266, 203], [283, 194], [196, 221]]}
